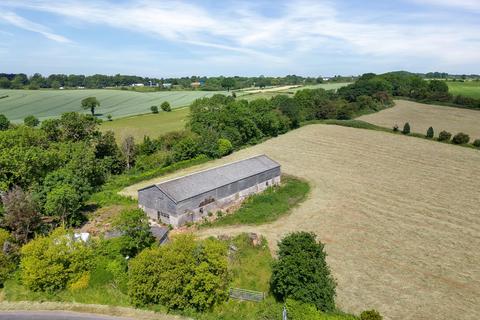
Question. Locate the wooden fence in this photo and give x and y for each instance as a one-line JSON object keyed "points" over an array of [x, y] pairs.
{"points": [[244, 294]]}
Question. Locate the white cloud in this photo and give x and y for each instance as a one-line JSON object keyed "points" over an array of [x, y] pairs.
{"points": [[23, 23], [298, 29]]}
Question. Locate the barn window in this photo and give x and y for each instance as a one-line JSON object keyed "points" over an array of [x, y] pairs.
{"points": [[201, 210]]}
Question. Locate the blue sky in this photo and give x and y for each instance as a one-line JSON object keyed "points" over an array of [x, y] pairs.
{"points": [[182, 38]]}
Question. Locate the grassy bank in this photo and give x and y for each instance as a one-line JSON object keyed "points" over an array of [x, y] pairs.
{"points": [[365, 125], [268, 205]]}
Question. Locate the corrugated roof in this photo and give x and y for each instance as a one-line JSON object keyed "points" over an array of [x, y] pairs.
{"points": [[185, 187]]}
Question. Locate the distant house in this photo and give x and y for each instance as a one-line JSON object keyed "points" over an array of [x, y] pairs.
{"points": [[137, 85], [196, 84], [190, 198], [167, 85]]}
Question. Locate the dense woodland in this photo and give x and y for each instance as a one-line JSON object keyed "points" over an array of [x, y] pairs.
{"points": [[50, 170]]}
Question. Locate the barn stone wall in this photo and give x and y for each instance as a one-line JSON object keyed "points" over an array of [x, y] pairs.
{"points": [[154, 202]]}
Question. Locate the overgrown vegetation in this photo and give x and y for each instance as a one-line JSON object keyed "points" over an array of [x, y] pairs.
{"points": [[268, 205]]}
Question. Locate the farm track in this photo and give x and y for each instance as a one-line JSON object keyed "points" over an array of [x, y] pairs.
{"points": [[399, 215], [421, 116]]}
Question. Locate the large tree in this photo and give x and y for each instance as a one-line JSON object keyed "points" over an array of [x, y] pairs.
{"points": [[301, 272], [90, 103]]}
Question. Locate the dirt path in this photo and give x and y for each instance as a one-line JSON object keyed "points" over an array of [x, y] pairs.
{"points": [[421, 116], [399, 215]]}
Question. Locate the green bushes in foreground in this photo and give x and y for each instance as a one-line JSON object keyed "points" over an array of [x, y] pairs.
{"points": [[183, 274], [50, 263], [301, 272]]}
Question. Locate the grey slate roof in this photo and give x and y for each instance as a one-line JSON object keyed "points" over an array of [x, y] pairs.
{"points": [[185, 187]]}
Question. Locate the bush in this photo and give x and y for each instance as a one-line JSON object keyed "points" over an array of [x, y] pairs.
{"points": [[31, 121], [406, 128], [109, 117], [166, 106], [154, 109], [4, 123], [135, 229], [444, 136], [224, 147], [370, 315], [476, 143], [430, 133], [301, 272], [7, 263], [51, 263], [180, 275], [461, 138], [395, 128]]}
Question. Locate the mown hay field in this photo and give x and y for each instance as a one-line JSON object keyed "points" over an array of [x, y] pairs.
{"points": [[118, 103], [421, 116], [152, 125], [399, 215]]}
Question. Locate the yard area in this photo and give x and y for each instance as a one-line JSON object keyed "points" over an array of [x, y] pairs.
{"points": [[396, 238]]}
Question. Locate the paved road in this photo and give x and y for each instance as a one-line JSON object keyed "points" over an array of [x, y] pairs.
{"points": [[54, 315]]}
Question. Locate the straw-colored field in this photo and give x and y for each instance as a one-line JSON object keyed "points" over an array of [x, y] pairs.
{"points": [[421, 116], [400, 217]]}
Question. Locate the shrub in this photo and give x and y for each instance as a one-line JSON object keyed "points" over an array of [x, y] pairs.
{"points": [[7, 263], [4, 123], [154, 109], [406, 128], [301, 272], [444, 136], [31, 121], [461, 138], [166, 106], [430, 133], [81, 283], [395, 128], [135, 229], [180, 275], [109, 117], [224, 147], [50, 263], [370, 315], [476, 143]]}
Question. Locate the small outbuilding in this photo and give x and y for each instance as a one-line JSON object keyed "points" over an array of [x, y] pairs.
{"points": [[190, 198]]}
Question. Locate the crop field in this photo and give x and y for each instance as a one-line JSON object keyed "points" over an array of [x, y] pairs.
{"points": [[421, 116], [152, 125], [401, 222], [468, 88], [51, 103], [287, 90]]}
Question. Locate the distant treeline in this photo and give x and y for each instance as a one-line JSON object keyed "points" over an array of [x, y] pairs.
{"points": [[406, 85], [98, 81]]}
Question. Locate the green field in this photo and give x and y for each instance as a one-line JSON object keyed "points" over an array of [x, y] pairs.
{"points": [[51, 103], [289, 92], [152, 125], [467, 88]]}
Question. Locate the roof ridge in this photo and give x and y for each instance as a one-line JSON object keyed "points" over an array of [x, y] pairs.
{"points": [[213, 168]]}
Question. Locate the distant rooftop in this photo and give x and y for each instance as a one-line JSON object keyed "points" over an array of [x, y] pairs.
{"points": [[185, 187]]}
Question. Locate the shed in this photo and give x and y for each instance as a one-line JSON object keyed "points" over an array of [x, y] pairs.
{"points": [[191, 197]]}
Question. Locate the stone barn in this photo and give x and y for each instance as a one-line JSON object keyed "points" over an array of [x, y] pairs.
{"points": [[190, 198]]}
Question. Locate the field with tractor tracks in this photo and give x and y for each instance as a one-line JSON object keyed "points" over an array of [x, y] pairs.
{"points": [[399, 216]]}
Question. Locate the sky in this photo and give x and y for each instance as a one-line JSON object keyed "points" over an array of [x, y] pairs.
{"points": [[166, 38]]}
